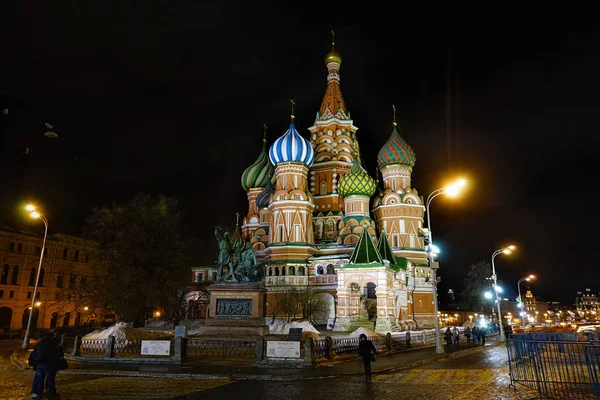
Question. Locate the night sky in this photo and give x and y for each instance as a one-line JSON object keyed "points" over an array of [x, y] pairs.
{"points": [[170, 96]]}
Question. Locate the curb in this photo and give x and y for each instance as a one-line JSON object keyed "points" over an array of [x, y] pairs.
{"points": [[260, 377]]}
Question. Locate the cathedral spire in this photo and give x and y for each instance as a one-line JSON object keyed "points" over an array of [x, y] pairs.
{"points": [[395, 124], [365, 251], [333, 104], [293, 106]]}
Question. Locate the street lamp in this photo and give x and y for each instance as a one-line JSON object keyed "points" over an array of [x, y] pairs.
{"points": [[505, 250], [450, 190], [36, 215], [527, 278]]}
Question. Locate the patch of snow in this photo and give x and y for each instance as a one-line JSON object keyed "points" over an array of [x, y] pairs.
{"points": [[362, 330], [279, 327], [124, 331]]}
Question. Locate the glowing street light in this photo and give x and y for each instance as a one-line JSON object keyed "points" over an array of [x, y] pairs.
{"points": [[498, 289], [36, 215], [451, 190], [488, 295], [505, 250]]}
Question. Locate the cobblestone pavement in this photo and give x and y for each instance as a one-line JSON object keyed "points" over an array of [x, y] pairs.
{"points": [[477, 375], [16, 384]]}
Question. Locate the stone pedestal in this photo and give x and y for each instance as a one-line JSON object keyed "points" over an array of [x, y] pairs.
{"points": [[235, 309]]}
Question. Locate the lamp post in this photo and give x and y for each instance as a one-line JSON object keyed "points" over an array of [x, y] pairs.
{"points": [[451, 190], [527, 278], [506, 250], [37, 215]]}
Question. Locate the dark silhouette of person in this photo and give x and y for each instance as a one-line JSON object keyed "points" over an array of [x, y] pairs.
{"points": [[44, 359], [367, 352]]}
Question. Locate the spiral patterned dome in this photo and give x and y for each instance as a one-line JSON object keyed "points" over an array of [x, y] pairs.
{"points": [[262, 200], [396, 151], [291, 147], [357, 181], [259, 173]]}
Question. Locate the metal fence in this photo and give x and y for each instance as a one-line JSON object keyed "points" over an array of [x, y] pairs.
{"points": [[560, 366], [221, 349]]}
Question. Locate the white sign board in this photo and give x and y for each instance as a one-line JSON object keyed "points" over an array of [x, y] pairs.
{"points": [[156, 347], [283, 349]]}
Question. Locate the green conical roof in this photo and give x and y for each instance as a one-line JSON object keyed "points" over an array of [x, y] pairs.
{"points": [[357, 181], [365, 251], [385, 250]]}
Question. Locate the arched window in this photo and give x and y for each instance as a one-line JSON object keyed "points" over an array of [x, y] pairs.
{"points": [[32, 277], [42, 273], [14, 280], [319, 229], [319, 270], [301, 271], [395, 240], [270, 271], [59, 280], [282, 271], [292, 270], [323, 189], [412, 240], [330, 226], [4, 278], [330, 270], [276, 271]]}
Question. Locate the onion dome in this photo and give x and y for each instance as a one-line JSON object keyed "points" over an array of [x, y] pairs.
{"points": [[333, 55], [262, 200], [291, 147], [396, 151], [357, 181], [259, 173]]}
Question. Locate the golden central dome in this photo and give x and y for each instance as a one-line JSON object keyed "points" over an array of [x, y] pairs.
{"points": [[333, 56]]}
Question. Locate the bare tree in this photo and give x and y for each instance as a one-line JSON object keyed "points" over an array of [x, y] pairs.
{"points": [[298, 303]]}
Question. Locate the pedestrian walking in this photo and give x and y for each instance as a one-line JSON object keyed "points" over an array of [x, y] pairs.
{"points": [[455, 336], [46, 358], [367, 352], [468, 334], [482, 335], [448, 337], [475, 333]]}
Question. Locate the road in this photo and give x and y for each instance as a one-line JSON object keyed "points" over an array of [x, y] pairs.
{"points": [[479, 375]]}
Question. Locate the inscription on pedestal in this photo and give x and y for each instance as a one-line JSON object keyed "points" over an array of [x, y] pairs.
{"points": [[234, 307]]}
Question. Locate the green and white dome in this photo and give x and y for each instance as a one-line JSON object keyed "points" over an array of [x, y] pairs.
{"points": [[356, 182]]}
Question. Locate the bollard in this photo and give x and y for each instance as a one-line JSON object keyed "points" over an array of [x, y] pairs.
{"points": [[329, 341], [63, 340], [388, 341], [179, 348], [76, 346], [424, 338], [110, 347], [309, 346], [259, 350], [408, 340]]}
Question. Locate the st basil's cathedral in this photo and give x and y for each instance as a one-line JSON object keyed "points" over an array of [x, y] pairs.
{"points": [[316, 218]]}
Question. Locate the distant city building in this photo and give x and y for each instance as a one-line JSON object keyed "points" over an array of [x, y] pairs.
{"points": [[67, 264], [586, 305]]}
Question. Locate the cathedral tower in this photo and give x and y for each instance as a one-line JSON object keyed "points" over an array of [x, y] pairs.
{"points": [[356, 187], [291, 207], [254, 180], [399, 208], [333, 137]]}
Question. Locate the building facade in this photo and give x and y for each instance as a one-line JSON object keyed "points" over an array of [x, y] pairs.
{"points": [[67, 264], [317, 219]]}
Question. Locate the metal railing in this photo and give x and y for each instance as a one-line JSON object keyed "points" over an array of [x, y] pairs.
{"points": [[561, 366]]}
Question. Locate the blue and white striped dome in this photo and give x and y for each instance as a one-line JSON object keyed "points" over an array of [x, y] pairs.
{"points": [[291, 147]]}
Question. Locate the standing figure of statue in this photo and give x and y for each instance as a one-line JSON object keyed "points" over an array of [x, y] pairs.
{"points": [[225, 254], [246, 263]]}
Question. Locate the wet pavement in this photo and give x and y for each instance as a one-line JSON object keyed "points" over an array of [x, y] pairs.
{"points": [[475, 374]]}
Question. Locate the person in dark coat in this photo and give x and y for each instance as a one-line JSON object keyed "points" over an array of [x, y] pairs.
{"points": [[448, 337], [367, 351], [44, 359]]}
